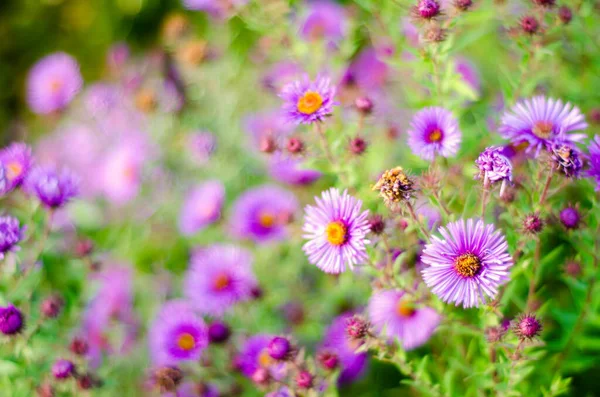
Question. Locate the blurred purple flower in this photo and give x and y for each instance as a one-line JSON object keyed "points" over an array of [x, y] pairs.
{"points": [[11, 320], [17, 161], [367, 71], [466, 69], [325, 20], [10, 234], [290, 170], [53, 188], [594, 161], [267, 126], [434, 131], [202, 207], [281, 74], [201, 146], [255, 355]]}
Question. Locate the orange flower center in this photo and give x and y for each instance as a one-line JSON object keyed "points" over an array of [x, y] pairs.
{"points": [[467, 265], [310, 102], [266, 219], [13, 170], [186, 342], [222, 281], [435, 135], [336, 233], [264, 359], [543, 129], [55, 85], [405, 308]]}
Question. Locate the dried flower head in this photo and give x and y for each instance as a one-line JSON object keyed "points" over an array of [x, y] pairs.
{"points": [[529, 24], [358, 145], [565, 15], [395, 186], [532, 223], [167, 378]]}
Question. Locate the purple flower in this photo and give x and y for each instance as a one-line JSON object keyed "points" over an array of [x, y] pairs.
{"points": [[177, 334], [267, 127], [566, 159], [254, 355], [218, 332], [62, 369], [201, 145], [466, 69], [281, 74], [262, 213], [11, 320], [202, 207], [434, 131], [117, 56], [325, 20], [122, 170], [218, 277], [336, 229], [216, 8], [291, 171], [542, 121], [367, 71], [527, 326], [17, 161], [52, 83], [470, 262], [54, 189], [352, 364], [306, 101], [400, 317], [570, 217], [594, 161], [10, 234], [493, 167]]}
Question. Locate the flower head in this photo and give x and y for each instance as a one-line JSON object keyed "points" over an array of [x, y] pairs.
{"points": [[566, 159], [325, 20], [11, 320], [52, 83], [493, 165], [336, 229], [434, 131], [527, 326], [532, 223], [570, 217], [218, 277], [54, 189], [262, 213], [291, 171], [255, 355], [395, 186], [62, 369], [594, 161], [401, 317], [17, 161], [308, 101], [467, 264], [202, 207], [427, 9], [540, 122], [529, 24], [280, 348], [177, 334], [10, 234], [218, 332]]}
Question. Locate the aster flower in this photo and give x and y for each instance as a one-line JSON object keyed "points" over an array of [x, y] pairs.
{"points": [[400, 317], [254, 355], [468, 264], [11, 320], [289, 170], [262, 213], [325, 20], [177, 334], [10, 234], [367, 71], [17, 161], [336, 229], [52, 83], [542, 121], [434, 131], [218, 277], [308, 101], [53, 188], [395, 186], [566, 159], [202, 207], [493, 165], [594, 161]]}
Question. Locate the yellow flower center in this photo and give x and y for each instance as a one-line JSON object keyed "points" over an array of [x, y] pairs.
{"points": [[55, 85], [310, 102], [266, 219], [336, 233], [130, 173], [186, 342], [264, 359], [543, 129], [13, 170], [222, 281], [467, 265], [405, 308], [435, 135]]}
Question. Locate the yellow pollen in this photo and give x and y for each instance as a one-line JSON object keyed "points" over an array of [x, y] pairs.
{"points": [[266, 219], [13, 170], [336, 233], [405, 308], [435, 135], [264, 359], [467, 265], [310, 102], [130, 172], [55, 85], [222, 281], [543, 129], [186, 342]]}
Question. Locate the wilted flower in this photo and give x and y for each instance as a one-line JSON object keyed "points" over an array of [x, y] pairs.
{"points": [[527, 326], [494, 167], [468, 264], [336, 229], [17, 161], [53, 82], [566, 158], [402, 318], [202, 207], [434, 131], [167, 378], [306, 101], [540, 122], [395, 186], [10, 234], [52, 306], [54, 189], [565, 14], [358, 145]]}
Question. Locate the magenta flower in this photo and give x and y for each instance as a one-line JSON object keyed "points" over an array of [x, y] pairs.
{"points": [[254, 355], [219, 276], [594, 161], [52, 83], [54, 189], [336, 229], [325, 20], [202, 207], [434, 131], [177, 334], [262, 213], [11, 320], [122, 170], [402, 318], [542, 121], [468, 264], [10, 234], [17, 161], [308, 101], [367, 71]]}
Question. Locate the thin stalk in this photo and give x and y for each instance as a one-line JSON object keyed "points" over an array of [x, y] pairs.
{"points": [[546, 186], [532, 282], [413, 215], [484, 195]]}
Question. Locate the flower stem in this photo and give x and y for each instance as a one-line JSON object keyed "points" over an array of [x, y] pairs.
{"points": [[484, 195], [546, 187], [413, 215], [532, 281]]}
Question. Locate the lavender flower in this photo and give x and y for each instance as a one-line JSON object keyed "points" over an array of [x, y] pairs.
{"points": [[218, 277], [308, 101], [10, 234], [262, 213], [493, 165], [566, 159], [201, 145], [468, 264], [202, 207], [177, 334], [54, 189], [542, 121], [336, 229], [434, 131], [325, 20], [400, 317], [255, 355], [52, 83], [17, 161], [291, 171], [594, 161]]}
